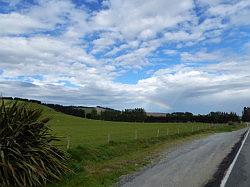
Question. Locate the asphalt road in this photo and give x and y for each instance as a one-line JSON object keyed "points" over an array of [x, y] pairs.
{"points": [[190, 165], [240, 175]]}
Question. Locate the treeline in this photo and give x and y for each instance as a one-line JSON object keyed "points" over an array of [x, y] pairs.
{"points": [[22, 99], [212, 117], [246, 114], [71, 110], [127, 115], [139, 114]]}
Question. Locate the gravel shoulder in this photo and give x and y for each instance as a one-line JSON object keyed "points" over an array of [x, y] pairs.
{"points": [[191, 164]]}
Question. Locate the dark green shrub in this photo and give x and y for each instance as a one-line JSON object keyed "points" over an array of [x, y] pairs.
{"points": [[27, 157]]}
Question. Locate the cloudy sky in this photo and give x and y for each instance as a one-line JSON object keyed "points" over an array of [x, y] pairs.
{"points": [[163, 55]]}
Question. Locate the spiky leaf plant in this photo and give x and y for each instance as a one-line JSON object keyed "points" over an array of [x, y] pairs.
{"points": [[27, 157]]}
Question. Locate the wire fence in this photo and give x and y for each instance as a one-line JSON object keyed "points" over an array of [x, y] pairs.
{"points": [[121, 135]]}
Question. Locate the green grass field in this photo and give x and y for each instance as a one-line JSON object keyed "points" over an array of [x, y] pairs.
{"points": [[81, 131], [93, 132], [96, 162]]}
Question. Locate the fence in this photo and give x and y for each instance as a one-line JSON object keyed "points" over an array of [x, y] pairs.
{"points": [[136, 133]]}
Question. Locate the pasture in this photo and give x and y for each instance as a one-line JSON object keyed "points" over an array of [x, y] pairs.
{"points": [[81, 131]]}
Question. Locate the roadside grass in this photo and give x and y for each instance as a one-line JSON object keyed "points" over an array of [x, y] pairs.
{"points": [[102, 151]]}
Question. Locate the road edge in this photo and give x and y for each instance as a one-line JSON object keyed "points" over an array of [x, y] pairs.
{"points": [[223, 168], [229, 170]]}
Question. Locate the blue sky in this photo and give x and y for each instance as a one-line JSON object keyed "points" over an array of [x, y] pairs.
{"points": [[161, 55]]}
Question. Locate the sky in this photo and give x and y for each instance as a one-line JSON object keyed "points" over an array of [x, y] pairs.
{"points": [[162, 55]]}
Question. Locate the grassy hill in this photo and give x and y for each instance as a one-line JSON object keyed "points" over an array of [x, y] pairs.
{"points": [[97, 162], [81, 131]]}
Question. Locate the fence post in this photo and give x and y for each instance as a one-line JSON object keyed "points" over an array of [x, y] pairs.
{"points": [[192, 129], [109, 138], [136, 135], [167, 131], [68, 142], [178, 130], [158, 132]]}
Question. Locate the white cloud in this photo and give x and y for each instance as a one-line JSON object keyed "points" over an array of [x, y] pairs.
{"points": [[241, 18], [229, 9], [237, 12], [135, 59], [46, 16], [182, 36], [105, 41], [201, 56], [52, 59], [15, 23], [145, 20]]}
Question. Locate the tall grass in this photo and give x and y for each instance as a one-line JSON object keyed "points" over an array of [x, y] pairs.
{"points": [[27, 157]]}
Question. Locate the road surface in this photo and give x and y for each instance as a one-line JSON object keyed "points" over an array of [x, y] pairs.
{"points": [[240, 174], [192, 164]]}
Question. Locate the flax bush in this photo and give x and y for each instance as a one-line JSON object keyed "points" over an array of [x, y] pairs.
{"points": [[27, 157]]}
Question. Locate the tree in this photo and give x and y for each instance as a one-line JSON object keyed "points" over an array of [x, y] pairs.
{"points": [[93, 114], [246, 114]]}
